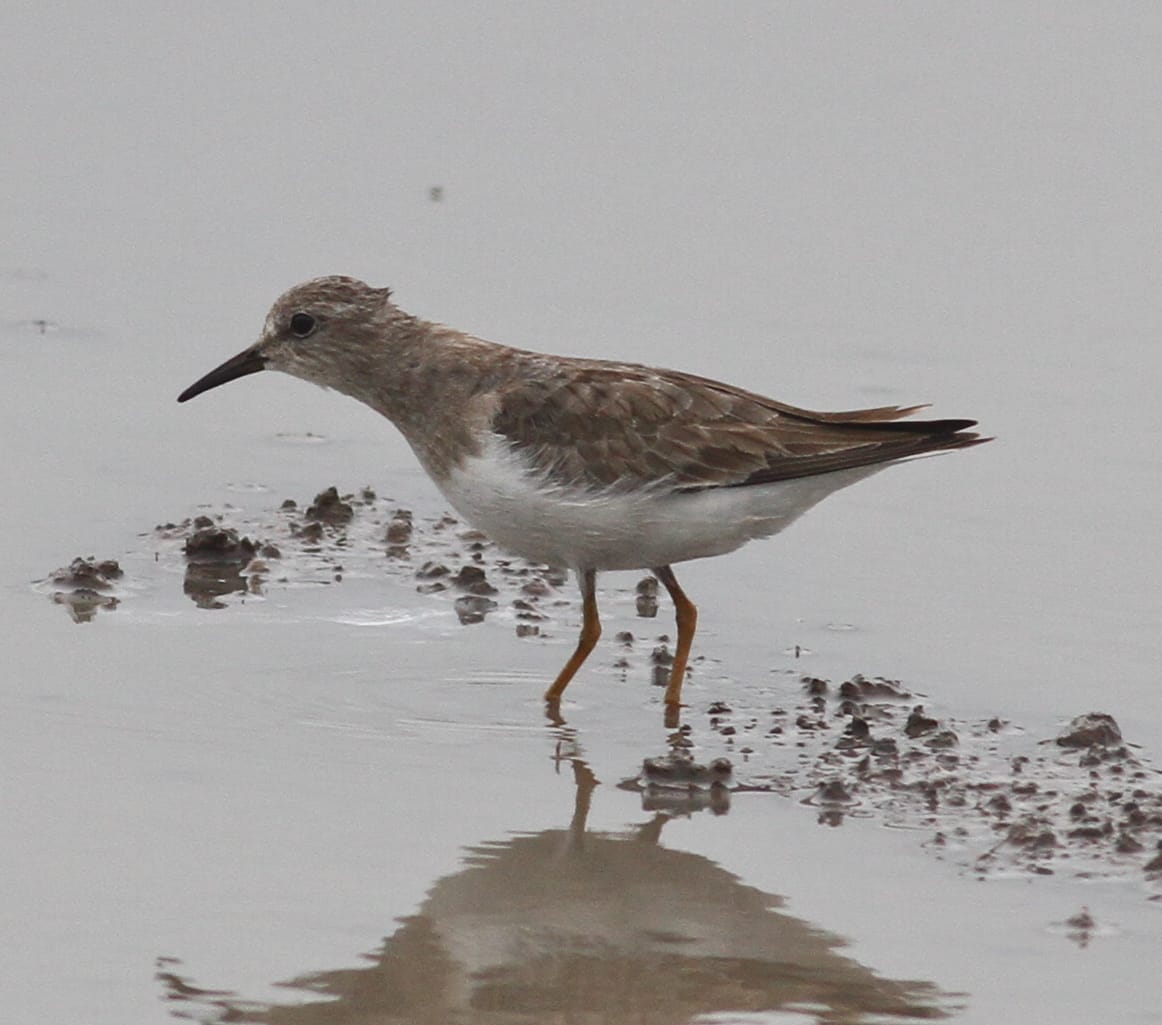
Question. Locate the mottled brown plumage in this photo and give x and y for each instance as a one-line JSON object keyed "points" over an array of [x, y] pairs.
{"points": [[600, 424]]}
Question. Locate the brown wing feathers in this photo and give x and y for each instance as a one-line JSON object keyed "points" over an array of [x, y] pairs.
{"points": [[885, 443], [623, 425]]}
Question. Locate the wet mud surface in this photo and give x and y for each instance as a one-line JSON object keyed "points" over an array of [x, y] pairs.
{"points": [[85, 587], [989, 797], [985, 795]]}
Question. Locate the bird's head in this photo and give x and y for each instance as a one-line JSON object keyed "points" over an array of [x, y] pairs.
{"points": [[326, 331]]}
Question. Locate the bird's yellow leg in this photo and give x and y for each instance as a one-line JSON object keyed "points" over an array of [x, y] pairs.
{"points": [[590, 632], [687, 616]]}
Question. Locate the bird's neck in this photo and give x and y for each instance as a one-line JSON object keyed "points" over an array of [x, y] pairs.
{"points": [[431, 385]]}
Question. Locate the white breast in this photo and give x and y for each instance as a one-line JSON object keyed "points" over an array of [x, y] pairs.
{"points": [[499, 494]]}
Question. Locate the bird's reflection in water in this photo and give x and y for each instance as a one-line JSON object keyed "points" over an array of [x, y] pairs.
{"points": [[571, 925]]}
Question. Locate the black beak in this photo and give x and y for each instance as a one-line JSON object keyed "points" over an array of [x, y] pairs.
{"points": [[246, 362]]}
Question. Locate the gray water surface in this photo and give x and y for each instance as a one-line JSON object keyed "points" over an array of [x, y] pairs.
{"points": [[838, 205]]}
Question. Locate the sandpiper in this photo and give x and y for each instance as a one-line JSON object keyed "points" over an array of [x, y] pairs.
{"points": [[581, 463]]}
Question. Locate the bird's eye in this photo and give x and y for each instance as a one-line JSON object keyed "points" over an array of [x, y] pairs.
{"points": [[303, 325]]}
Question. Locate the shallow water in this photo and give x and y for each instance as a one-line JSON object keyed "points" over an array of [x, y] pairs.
{"points": [[834, 207]]}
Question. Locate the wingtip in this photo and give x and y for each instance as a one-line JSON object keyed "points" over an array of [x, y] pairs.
{"points": [[880, 414], [960, 438]]}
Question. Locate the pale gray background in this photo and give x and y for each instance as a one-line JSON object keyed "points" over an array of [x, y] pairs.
{"points": [[837, 204]]}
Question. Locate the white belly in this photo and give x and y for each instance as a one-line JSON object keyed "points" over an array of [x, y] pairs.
{"points": [[616, 529]]}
